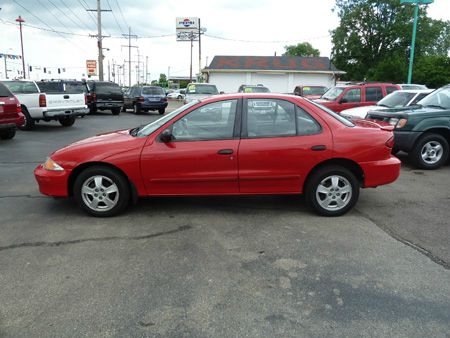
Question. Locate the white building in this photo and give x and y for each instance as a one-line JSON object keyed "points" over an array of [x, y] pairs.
{"points": [[281, 74]]}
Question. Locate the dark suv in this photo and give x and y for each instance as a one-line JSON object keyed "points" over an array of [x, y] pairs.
{"points": [[145, 98], [104, 95]]}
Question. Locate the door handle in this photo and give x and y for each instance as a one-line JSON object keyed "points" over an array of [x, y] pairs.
{"points": [[225, 151], [319, 147], [66, 96]]}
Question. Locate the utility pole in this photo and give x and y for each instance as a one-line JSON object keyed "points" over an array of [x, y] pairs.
{"points": [[146, 69], [109, 72], [129, 35], [191, 35], [20, 21], [99, 36]]}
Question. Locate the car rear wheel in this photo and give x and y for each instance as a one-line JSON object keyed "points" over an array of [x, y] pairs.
{"points": [[179, 97], [7, 134], [29, 122], [67, 121], [102, 191], [115, 111], [430, 152], [332, 191], [162, 111]]}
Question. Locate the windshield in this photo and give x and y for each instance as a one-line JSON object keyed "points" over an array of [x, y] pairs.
{"points": [[314, 90], [150, 128], [338, 117], [4, 92], [51, 87], [396, 99], [257, 89], [202, 89], [332, 93], [153, 91], [439, 98]]}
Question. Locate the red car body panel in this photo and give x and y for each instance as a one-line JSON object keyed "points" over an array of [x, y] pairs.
{"points": [[276, 165], [336, 106], [10, 113]]}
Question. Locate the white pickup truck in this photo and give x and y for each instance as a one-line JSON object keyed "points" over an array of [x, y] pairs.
{"points": [[46, 101]]}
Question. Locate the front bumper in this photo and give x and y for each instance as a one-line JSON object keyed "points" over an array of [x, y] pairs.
{"points": [[381, 172], [52, 183], [51, 114], [405, 140]]}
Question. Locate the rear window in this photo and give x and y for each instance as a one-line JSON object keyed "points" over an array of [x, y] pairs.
{"points": [[21, 87], [314, 90], [106, 88], [4, 92], [338, 117], [257, 89], [51, 87], [76, 87], [202, 89], [153, 91]]}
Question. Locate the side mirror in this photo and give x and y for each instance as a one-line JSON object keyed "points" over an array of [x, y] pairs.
{"points": [[343, 100], [166, 136]]}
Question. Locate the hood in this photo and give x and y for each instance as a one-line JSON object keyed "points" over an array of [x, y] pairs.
{"points": [[410, 111], [97, 148], [359, 112]]}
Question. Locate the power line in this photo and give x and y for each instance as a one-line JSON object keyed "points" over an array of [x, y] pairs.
{"points": [[51, 28], [75, 15], [121, 14], [115, 18], [265, 41], [64, 13]]}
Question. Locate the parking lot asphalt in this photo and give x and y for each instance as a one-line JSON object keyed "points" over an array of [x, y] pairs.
{"points": [[222, 266]]}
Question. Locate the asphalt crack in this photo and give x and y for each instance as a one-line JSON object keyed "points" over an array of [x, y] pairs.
{"points": [[399, 238], [96, 239]]}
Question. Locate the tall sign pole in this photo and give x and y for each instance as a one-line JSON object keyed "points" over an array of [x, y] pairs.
{"points": [[20, 21], [188, 29], [413, 41]]}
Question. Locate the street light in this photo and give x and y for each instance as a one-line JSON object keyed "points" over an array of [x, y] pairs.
{"points": [[413, 42], [20, 21]]}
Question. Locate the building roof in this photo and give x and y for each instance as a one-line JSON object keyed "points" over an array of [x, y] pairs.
{"points": [[272, 63]]}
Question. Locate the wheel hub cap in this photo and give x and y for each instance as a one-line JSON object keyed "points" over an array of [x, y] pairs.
{"points": [[432, 152], [334, 193], [100, 193]]}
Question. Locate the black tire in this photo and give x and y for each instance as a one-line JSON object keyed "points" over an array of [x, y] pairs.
{"points": [[136, 109], [346, 182], [67, 121], [162, 111], [108, 175], [92, 110], [115, 111], [394, 151], [422, 157], [29, 122], [179, 97], [123, 109], [7, 134]]}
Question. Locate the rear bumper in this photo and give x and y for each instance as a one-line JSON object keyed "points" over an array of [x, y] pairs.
{"points": [[52, 183], [381, 172], [153, 105], [12, 123], [69, 112], [107, 104], [405, 140]]}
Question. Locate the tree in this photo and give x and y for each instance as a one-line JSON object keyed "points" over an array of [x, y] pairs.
{"points": [[163, 80], [432, 70], [373, 38], [301, 49]]}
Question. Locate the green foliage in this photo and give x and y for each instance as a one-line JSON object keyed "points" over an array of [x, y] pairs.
{"points": [[301, 49], [432, 70], [163, 80], [373, 38]]}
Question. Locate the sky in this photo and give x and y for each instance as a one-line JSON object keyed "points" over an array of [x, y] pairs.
{"points": [[233, 27]]}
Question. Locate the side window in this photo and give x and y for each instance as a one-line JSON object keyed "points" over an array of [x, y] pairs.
{"points": [[391, 89], [214, 121], [306, 125], [373, 94], [270, 118], [353, 95]]}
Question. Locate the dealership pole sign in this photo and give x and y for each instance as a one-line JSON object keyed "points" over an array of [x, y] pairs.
{"points": [[91, 67], [187, 28]]}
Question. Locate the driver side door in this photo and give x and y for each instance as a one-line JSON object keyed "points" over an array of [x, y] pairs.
{"points": [[201, 159]]}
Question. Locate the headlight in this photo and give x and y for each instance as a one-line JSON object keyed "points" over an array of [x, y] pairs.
{"points": [[52, 165], [397, 123]]}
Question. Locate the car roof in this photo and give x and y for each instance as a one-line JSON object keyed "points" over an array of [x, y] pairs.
{"points": [[414, 91]]}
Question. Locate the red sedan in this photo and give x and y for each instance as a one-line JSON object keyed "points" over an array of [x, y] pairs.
{"points": [[239, 144]]}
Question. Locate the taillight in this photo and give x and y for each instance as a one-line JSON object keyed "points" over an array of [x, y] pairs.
{"points": [[42, 100], [94, 97], [141, 99], [390, 143], [85, 99], [18, 108]]}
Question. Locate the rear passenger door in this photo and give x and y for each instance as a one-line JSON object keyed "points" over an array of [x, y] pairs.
{"points": [[280, 143], [372, 95]]}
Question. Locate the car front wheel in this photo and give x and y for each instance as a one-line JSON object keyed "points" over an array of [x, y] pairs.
{"points": [[102, 191], [430, 152], [67, 121], [7, 134], [332, 191]]}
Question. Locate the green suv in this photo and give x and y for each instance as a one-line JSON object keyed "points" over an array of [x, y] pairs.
{"points": [[423, 130]]}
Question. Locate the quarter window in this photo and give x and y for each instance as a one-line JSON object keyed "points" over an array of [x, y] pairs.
{"points": [[214, 121], [373, 94], [270, 118], [391, 89], [306, 125], [353, 95]]}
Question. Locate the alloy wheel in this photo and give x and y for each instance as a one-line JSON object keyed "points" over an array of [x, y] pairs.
{"points": [[100, 193], [334, 193]]}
